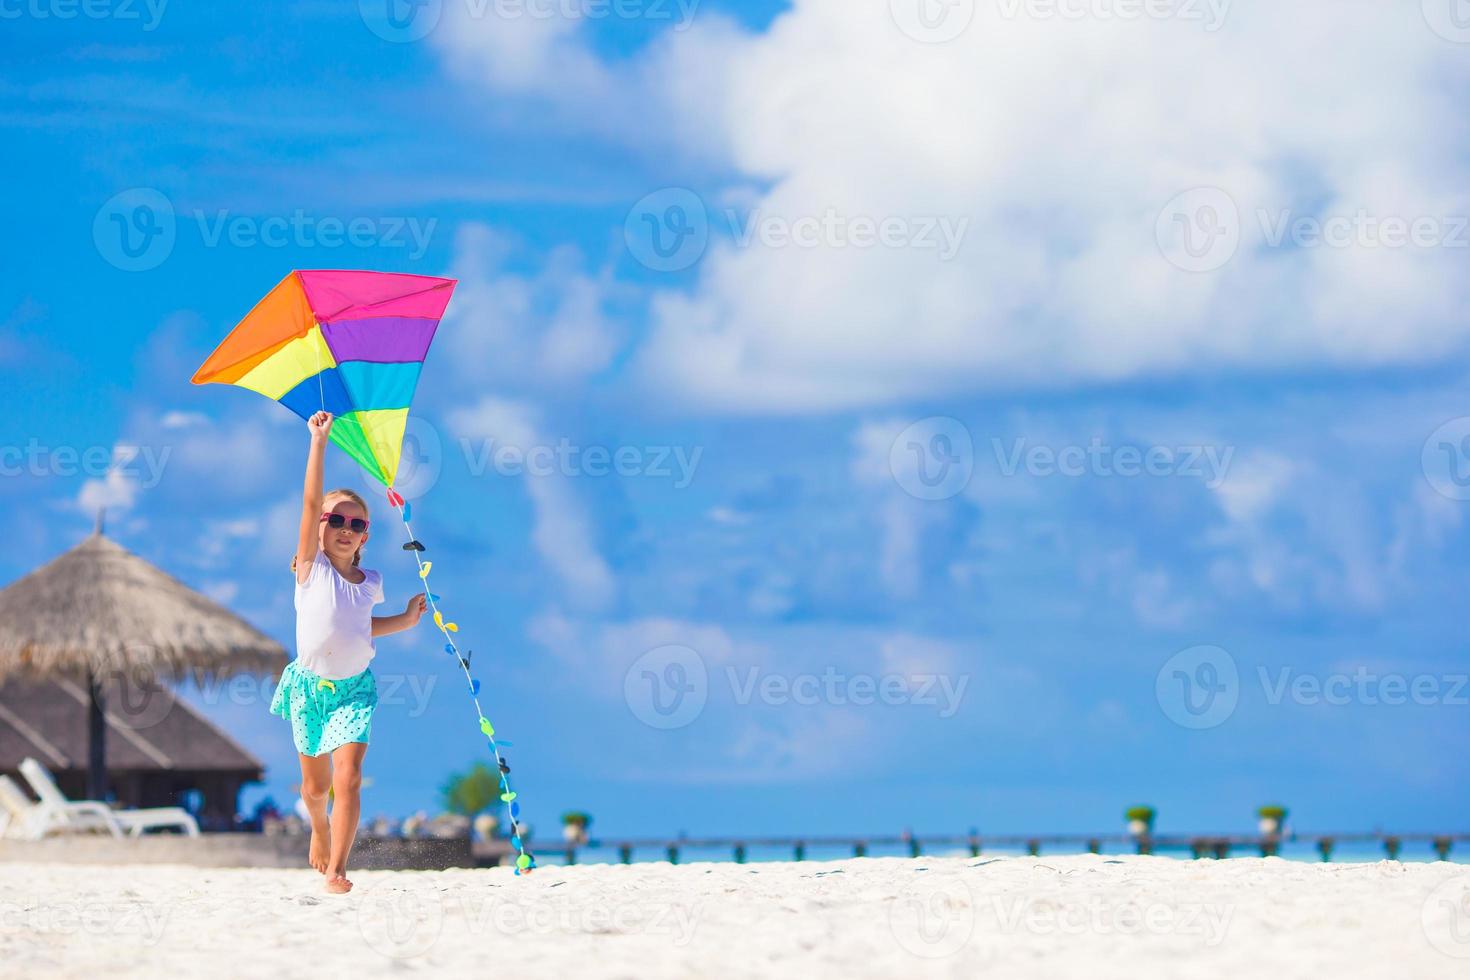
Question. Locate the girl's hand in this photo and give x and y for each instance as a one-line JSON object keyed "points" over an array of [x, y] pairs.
{"points": [[320, 425], [408, 619], [416, 607]]}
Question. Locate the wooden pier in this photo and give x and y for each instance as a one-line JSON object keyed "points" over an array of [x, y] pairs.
{"points": [[1393, 846]]}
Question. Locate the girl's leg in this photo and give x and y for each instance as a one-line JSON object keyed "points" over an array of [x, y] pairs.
{"points": [[346, 806], [316, 777]]}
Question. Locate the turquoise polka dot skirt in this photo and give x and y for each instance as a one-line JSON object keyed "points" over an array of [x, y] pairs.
{"points": [[325, 714]]}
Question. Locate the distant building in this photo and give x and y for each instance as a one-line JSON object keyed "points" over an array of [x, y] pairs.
{"points": [[160, 750], [89, 644]]}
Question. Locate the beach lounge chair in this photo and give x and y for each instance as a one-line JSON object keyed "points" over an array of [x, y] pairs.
{"points": [[19, 817], [64, 814]]}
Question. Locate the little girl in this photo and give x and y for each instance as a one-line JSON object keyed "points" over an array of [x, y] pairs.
{"points": [[327, 692]]}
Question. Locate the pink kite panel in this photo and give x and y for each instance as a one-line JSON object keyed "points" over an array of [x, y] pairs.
{"points": [[341, 295]]}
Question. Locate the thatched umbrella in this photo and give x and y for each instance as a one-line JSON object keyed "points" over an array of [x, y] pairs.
{"points": [[99, 610]]}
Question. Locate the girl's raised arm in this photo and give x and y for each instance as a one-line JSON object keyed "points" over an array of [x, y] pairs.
{"points": [[320, 425]]}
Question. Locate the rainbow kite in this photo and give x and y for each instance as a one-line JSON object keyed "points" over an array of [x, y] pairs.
{"points": [[353, 344], [349, 343]]}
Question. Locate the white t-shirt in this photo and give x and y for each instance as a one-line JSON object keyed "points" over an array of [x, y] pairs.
{"points": [[334, 620]]}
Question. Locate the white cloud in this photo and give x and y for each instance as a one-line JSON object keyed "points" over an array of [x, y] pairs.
{"points": [[1060, 140], [1155, 602], [626, 641], [1155, 596], [910, 655], [1427, 520], [525, 55], [1061, 278], [666, 99], [562, 533], [599, 653], [872, 445], [115, 490], [755, 738], [1300, 534], [914, 535], [223, 593], [545, 329], [1254, 484], [795, 745], [234, 456], [183, 420], [219, 541], [728, 516]]}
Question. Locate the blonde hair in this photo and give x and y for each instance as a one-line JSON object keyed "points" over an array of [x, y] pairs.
{"points": [[342, 493]]}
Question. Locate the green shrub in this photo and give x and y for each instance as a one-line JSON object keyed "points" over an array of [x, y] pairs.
{"points": [[472, 792]]}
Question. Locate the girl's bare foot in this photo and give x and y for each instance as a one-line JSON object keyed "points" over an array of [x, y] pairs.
{"points": [[321, 847], [337, 884]]}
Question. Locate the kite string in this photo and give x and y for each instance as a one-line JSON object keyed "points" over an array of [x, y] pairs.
{"points": [[317, 349], [524, 860]]}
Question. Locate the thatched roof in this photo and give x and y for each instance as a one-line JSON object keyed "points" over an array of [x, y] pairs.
{"points": [[101, 607], [47, 720]]}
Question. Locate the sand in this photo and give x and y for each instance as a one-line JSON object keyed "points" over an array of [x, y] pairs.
{"points": [[1080, 916]]}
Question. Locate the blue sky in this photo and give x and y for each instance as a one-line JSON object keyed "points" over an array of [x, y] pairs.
{"points": [[844, 465]]}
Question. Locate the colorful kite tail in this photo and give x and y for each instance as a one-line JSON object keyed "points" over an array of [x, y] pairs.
{"points": [[525, 862]]}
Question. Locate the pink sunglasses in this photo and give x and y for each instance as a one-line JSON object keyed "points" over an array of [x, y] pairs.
{"points": [[338, 521]]}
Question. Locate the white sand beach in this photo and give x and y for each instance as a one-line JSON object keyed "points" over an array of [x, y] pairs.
{"points": [[1078, 916]]}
